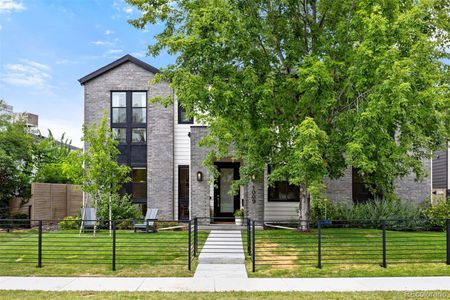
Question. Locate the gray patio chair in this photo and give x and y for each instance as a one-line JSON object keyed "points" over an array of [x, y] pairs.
{"points": [[149, 221], [90, 217]]}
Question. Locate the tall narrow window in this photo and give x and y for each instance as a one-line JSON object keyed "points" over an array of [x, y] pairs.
{"points": [[139, 183], [183, 118], [360, 192], [119, 107], [183, 192]]}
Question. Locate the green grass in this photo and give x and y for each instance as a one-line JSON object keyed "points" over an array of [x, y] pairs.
{"points": [[23, 295], [67, 253], [348, 253]]}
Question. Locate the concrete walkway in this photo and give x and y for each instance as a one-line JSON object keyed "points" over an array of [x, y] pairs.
{"points": [[222, 256], [225, 284]]}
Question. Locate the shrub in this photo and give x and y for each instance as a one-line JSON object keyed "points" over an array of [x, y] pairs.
{"points": [[122, 208], [372, 213], [69, 223], [438, 212]]}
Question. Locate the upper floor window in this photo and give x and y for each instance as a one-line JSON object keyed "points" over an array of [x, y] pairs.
{"points": [[183, 118], [119, 107], [139, 107], [120, 134]]}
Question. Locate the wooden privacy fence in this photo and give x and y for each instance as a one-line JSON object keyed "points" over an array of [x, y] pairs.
{"points": [[55, 201]]}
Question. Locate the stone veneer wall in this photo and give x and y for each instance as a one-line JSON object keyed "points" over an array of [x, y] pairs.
{"points": [[254, 199], [128, 76]]}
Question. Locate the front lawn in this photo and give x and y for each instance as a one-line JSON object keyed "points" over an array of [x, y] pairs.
{"points": [[348, 252], [67, 253]]}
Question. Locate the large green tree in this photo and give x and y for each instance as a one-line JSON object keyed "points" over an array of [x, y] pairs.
{"points": [[311, 86], [16, 162]]}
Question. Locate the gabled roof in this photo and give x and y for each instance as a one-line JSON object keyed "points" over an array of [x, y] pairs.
{"points": [[114, 64]]}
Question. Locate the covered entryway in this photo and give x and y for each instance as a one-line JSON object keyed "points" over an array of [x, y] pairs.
{"points": [[225, 204]]}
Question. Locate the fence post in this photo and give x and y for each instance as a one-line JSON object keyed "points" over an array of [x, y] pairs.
{"points": [[195, 236], [189, 245], [319, 244], [40, 245], [114, 245], [248, 237], [253, 247], [384, 264], [448, 241]]}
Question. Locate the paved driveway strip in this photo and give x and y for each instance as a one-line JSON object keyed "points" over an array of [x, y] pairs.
{"points": [[174, 284]]}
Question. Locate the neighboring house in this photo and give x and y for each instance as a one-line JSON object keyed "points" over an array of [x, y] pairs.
{"points": [[441, 171], [161, 146]]}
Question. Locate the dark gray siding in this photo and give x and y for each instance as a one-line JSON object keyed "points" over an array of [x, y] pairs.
{"points": [[440, 170]]}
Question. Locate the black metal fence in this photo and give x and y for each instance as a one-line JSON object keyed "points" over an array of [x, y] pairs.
{"points": [[179, 243], [115, 243], [349, 243]]}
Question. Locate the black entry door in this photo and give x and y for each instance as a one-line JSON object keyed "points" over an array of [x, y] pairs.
{"points": [[226, 204]]}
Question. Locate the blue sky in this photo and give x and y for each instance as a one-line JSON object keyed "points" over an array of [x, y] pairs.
{"points": [[47, 45]]}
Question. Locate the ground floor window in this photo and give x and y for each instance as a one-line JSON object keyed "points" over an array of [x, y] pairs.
{"points": [[139, 183], [183, 192], [283, 191], [360, 192]]}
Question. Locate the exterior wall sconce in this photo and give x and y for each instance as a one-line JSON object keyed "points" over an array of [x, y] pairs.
{"points": [[199, 176]]}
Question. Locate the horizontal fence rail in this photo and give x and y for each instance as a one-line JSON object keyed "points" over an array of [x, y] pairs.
{"points": [[114, 244], [118, 244], [283, 244]]}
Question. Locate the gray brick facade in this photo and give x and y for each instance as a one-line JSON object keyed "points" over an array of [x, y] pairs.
{"points": [[408, 188], [200, 190], [129, 76]]}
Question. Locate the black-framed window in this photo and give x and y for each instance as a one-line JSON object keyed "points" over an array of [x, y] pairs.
{"points": [[283, 191], [119, 107], [129, 126], [360, 192], [139, 107], [120, 134], [138, 135], [139, 183], [183, 118]]}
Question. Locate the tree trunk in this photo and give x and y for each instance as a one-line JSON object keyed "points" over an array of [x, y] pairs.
{"points": [[110, 215], [303, 216]]}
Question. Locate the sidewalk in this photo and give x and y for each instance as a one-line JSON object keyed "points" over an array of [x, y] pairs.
{"points": [[225, 284]]}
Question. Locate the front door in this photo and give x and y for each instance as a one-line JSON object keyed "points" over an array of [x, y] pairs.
{"points": [[225, 204]]}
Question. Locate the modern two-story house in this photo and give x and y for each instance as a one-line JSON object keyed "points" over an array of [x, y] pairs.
{"points": [[160, 144]]}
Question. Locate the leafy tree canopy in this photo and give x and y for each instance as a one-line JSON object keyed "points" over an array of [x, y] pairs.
{"points": [[363, 82], [16, 160]]}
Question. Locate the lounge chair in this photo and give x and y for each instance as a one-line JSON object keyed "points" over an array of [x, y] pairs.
{"points": [[149, 221], [89, 217]]}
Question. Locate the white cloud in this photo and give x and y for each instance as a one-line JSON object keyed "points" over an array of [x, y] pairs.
{"points": [[114, 51], [1, 27], [8, 6], [108, 32], [103, 43], [27, 73], [121, 7]]}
